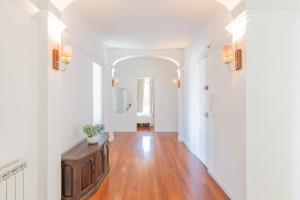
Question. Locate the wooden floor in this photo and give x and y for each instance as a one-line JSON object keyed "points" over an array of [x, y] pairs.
{"points": [[153, 166]]}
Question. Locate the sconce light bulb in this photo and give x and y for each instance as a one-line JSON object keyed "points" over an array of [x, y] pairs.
{"points": [[227, 54], [63, 54]]}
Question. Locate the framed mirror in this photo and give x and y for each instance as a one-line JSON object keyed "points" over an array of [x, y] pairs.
{"points": [[122, 100]]}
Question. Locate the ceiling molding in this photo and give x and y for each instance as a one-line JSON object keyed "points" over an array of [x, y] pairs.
{"points": [[26, 5], [230, 4], [273, 14], [237, 23], [175, 62], [61, 5]]}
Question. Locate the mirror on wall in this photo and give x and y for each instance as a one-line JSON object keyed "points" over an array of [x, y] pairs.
{"points": [[122, 100]]}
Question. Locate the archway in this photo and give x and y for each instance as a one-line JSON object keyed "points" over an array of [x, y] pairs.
{"points": [[142, 56], [152, 74]]}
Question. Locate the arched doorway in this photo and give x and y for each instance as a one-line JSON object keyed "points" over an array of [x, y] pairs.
{"points": [[149, 80]]}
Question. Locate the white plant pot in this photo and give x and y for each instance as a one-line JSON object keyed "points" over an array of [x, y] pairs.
{"points": [[93, 140]]}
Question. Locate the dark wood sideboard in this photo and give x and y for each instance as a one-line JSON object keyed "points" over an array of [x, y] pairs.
{"points": [[84, 168]]}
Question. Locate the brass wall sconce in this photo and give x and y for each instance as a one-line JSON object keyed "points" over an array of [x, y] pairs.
{"points": [[238, 59], [176, 83], [115, 82], [232, 54], [61, 55]]}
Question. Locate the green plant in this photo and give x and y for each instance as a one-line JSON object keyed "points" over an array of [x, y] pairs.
{"points": [[93, 130]]}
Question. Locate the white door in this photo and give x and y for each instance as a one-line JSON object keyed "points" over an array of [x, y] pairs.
{"points": [[202, 113], [206, 115], [196, 111], [199, 120]]}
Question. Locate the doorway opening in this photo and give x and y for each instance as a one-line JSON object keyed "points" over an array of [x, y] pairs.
{"points": [[145, 104]]}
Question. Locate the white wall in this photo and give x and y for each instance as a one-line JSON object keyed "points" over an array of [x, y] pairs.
{"points": [[97, 93], [273, 131], [76, 108], [227, 162], [19, 93], [166, 95], [75, 86], [166, 105], [70, 95], [107, 101]]}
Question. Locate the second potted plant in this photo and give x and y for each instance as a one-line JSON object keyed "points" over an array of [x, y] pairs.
{"points": [[92, 132]]}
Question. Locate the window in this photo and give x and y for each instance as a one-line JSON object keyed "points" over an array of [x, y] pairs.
{"points": [[146, 101]]}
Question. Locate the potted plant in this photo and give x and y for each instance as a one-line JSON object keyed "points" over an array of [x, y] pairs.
{"points": [[92, 132]]}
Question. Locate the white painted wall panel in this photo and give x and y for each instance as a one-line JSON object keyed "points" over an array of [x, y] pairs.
{"points": [[18, 91], [227, 145]]}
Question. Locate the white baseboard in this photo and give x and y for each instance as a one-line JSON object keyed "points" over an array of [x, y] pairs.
{"points": [[135, 130], [166, 130], [111, 138], [220, 183], [125, 131], [188, 146], [180, 139]]}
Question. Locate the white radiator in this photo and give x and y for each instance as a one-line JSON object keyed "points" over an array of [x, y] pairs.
{"points": [[12, 181]]}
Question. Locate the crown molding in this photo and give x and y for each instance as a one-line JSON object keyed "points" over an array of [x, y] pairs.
{"points": [[26, 5], [239, 21], [274, 14]]}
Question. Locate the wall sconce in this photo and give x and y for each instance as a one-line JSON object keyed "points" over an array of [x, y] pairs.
{"points": [[62, 55], [229, 55], [176, 83], [115, 82], [238, 59], [237, 28]]}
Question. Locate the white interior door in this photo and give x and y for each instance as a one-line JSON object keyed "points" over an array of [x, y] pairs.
{"points": [[199, 109], [206, 115], [196, 111], [201, 118]]}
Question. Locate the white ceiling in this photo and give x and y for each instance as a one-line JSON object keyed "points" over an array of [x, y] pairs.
{"points": [[136, 24]]}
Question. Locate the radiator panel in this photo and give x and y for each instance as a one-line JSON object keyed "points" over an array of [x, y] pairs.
{"points": [[12, 178]]}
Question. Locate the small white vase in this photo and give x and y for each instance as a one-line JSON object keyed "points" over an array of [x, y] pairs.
{"points": [[93, 140]]}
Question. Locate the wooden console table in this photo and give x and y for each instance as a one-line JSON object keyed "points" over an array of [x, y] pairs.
{"points": [[83, 169]]}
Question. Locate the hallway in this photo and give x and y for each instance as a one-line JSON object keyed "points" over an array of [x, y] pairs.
{"points": [[155, 166], [216, 80]]}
